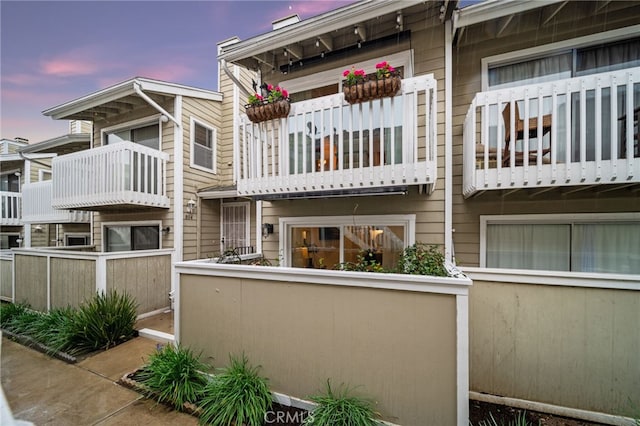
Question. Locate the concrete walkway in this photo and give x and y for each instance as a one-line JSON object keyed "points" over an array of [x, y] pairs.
{"points": [[47, 391]]}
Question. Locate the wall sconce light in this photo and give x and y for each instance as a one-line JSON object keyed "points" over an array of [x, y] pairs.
{"points": [[37, 228], [18, 173], [267, 229], [285, 52], [191, 208], [166, 230]]}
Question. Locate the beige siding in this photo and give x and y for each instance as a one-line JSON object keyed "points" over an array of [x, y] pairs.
{"points": [[72, 282], [6, 279], [31, 281], [45, 237], [574, 20], [567, 346], [319, 332], [147, 279], [209, 229]]}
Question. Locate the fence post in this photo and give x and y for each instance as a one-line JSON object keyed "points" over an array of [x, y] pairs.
{"points": [[101, 274]]}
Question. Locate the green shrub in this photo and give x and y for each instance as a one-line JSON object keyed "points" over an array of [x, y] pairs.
{"points": [[238, 394], [175, 374], [365, 262], [341, 408], [105, 321], [24, 323], [55, 329], [420, 259], [8, 311]]}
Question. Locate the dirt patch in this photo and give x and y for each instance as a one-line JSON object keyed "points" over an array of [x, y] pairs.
{"points": [[482, 411]]}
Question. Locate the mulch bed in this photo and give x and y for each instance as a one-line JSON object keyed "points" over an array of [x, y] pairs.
{"points": [[480, 411]]}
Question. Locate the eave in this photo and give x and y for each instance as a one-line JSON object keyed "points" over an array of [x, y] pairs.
{"points": [[495, 9], [50, 145]]}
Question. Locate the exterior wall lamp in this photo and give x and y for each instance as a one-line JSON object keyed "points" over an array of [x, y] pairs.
{"points": [[191, 208]]}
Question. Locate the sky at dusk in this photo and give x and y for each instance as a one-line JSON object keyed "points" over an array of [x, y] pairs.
{"points": [[52, 52]]}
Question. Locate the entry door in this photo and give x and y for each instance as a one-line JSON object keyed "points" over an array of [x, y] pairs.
{"points": [[234, 226]]}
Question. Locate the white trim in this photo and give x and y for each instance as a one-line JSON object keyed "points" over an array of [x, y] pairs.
{"points": [[134, 124], [259, 235], [554, 48], [462, 358], [448, 144], [90, 255], [214, 145], [101, 274], [105, 225], [591, 416], [554, 278], [41, 174], [397, 282], [324, 78], [285, 224], [493, 9]]}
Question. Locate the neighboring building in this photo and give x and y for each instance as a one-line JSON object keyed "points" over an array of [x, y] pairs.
{"points": [[11, 180]]}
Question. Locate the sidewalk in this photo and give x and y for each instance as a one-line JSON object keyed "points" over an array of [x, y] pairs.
{"points": [[47, 391]]}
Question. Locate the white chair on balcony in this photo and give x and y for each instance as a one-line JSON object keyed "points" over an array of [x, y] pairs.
{"points": [[519, 135]]}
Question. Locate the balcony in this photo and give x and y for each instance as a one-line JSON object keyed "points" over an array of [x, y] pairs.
{"points": [[10, 208], [36, 206], [327, 146], [122, 175], [589, 128]]}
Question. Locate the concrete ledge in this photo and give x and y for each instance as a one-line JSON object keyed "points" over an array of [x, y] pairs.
{"points": [[158, 336]]}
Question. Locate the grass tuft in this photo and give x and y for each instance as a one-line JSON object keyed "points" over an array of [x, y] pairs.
{"points": [[341, 407], [238, 394]]}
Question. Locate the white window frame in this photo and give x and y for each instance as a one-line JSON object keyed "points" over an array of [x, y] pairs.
{"points": [[133, 124], [75, 235], [247, 231], [286, 223], [12, 172], [554, 48], [42, 173], [105, 225], [324, 78], [214, 145], [551, 219], [13, 234]]}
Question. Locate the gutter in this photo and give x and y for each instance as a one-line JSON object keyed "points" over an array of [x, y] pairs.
{"points": [[234, 79]]}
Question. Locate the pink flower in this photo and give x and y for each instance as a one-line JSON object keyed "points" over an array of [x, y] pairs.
{"points": [[345, 73], [259, 96], [381, 64], [285, 93], [270, 87], [277, 89], [391, 69]]}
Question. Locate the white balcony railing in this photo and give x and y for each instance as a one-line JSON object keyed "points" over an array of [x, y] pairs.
{"points": [[589, 126], [327, 145], [36, 206], [10, 208], [121, 174]]}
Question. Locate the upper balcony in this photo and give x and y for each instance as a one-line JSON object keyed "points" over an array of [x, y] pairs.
{"points": [[588, 127], [10, 208], [328, 146], [36, 206], [120, 175]]}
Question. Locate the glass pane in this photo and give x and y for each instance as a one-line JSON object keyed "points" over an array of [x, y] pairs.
{"points": [[120, 136], [203, 156], [146, 237], [524, 246], [315, 247], [610, 57], [532, 71], [148, 136], [382, 243], [607, 248], [118, 238], [202, 136], [9, 241], [234, 226]]}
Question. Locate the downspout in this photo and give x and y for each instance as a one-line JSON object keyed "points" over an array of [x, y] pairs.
{"points": [[234, 79], [138, 90], [26, 226], [448, 144]]}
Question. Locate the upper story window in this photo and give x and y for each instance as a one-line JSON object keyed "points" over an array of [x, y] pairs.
{"points": [[569, 63], [324, 242], [203, 146], [9, 182], [144, 133], [44, 175]]}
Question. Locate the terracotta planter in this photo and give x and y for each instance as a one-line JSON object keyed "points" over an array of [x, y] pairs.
{"points": [[268, 111], [371, 88]]}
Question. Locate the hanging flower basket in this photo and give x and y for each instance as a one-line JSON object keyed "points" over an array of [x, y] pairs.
{"points": [[268, 110], [370, 88]]}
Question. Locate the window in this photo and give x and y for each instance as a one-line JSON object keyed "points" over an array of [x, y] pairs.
{"points": [[8, 241], [77, 239], [324, 242], [127, 237], [44, 175], [203, 139], [606, 244], [10, 182], [235, 226], [143, 133]]}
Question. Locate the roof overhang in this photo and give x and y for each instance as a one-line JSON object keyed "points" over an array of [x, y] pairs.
{"points": [[494, 9], [122, 97], [313, 28], [51, 145]]}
